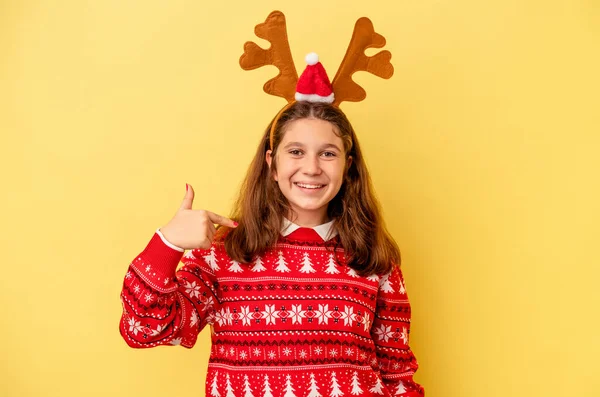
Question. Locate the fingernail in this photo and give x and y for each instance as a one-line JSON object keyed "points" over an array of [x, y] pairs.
{"points": [[186, 187], [235, 223]]}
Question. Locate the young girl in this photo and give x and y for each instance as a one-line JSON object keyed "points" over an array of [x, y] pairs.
{"points": [[304, 296]]}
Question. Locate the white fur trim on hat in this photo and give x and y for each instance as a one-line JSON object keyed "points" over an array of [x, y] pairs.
{"points": [[315, 98]]}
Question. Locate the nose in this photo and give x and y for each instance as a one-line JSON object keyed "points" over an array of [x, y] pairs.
{"points": [[311, 165]]}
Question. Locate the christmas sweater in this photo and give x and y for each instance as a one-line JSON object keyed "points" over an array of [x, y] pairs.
{"points": [[296, 322]]}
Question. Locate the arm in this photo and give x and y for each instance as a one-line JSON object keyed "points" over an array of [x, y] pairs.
{"points": [[390, 331], [162, 306]]}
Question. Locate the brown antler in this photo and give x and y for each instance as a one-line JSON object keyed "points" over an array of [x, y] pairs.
{"points": [[279, 55], [355, 60]]}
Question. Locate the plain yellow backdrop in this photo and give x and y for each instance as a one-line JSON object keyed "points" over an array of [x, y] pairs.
{"points": [[483, 147]]}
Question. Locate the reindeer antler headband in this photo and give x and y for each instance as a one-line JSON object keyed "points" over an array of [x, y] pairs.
{"points": [[313, 85]]}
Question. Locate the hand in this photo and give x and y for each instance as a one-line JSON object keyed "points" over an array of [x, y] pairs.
{"points": [[190, 228]]}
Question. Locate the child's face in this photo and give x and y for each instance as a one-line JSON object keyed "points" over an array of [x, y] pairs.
{"points": [[311, 163]]}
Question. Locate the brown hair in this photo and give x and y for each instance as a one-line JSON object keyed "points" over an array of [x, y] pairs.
{"points": [[355, 211]]}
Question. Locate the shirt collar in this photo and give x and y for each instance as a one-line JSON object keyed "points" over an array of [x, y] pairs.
{"points": [[326, 230]]}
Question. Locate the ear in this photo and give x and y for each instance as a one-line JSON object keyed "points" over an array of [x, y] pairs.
{"points": [[269, 160], [349, 162]]}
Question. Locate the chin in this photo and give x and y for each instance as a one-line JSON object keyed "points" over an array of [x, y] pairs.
{"points": [[307, 206]]}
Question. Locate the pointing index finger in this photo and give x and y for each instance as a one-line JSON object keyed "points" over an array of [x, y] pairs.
{"points": [[221, 220]]}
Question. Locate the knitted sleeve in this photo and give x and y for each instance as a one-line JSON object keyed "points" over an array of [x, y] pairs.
{"points": [[390, 331], [162, 306]]}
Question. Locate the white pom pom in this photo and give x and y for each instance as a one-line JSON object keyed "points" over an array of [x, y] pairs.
{"points": [[312, 58]]}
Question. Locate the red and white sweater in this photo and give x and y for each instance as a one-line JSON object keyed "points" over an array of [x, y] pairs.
{"points": [[293, 323]]}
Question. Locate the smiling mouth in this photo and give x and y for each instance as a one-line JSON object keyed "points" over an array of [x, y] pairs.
{"points": [[308, 186]]}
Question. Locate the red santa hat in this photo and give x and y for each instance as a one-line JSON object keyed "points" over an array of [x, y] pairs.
{"points": [[313, 85]]}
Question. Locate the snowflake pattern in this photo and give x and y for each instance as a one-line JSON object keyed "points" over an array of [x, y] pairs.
{"points": [[134, 326], [404, 335], [384, 332], [245, 315], [192, 289], [207, 303], [270, 314], [194, 319], [247, 299], [295, 314]]}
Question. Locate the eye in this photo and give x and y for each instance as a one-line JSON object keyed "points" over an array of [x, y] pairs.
{"points": [[329, 154], [295, 152]]}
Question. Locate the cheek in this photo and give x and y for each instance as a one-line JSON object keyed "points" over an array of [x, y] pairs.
{"points": [[339, 172], [286, 170]]}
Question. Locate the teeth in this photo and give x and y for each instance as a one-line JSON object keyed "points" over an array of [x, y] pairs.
{"points": [[309, 186]]}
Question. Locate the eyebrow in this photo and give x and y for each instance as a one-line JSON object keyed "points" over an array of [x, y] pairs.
{"points": [[326, 146]]}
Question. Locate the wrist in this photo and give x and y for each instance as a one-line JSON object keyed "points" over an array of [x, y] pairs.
{"points": [[166, 240]]}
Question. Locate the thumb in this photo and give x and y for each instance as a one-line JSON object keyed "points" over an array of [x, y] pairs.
{"points": [[188, 200]]}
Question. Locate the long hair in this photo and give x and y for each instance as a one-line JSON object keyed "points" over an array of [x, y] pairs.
{"points": [[261, 206]]}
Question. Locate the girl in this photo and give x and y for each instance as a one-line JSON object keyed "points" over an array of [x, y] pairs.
{"points": [[305, 295]]}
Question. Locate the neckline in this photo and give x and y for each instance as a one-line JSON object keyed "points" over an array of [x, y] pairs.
{"points": [[325, 231]]}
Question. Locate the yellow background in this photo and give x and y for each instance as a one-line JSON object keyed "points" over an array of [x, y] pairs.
{"points": [[483, 148]]}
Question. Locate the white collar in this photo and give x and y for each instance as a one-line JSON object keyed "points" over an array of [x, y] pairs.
{"points": [[326, 230]]}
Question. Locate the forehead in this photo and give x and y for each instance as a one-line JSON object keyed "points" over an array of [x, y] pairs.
{"points": [[311, 131]]}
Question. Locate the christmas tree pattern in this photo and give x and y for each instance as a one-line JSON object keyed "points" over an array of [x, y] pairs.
{"points": [[335, 387], [189, 255], [373, 277], [307, 266], [385, 285], [258, 265], [235, 267], [267, 388], [247, 389], [211, 260], [352, 272], [313, 388], [356, 389], [401, 288], [377, 387], [400, 388], [228, 387], [331, 266], [214, 391], [289, 390], [281, 264]]}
